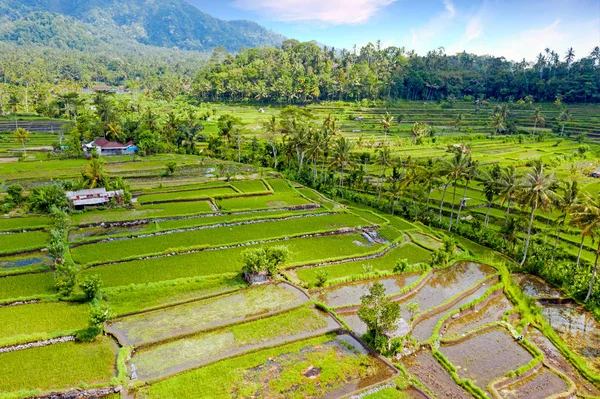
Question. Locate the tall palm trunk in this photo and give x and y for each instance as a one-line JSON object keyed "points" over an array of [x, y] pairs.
{"points": [[462, 202], [380, 182], [452, 212], [580, 249], [528, 236], [487, 214], [589, 294], [557, 240], [442, 203]]}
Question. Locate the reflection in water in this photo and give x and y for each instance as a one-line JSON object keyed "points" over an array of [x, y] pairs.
{"points": [[99, 231], [16, 262], [536, 287], [577, 327], [350, 294]]}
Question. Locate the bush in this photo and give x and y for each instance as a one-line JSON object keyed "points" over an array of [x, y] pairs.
{"points": [[66, 278], [401, 265], [88, 334], [322, 277], [100, 314], [43, 198], [90, 285], [15, 194]]}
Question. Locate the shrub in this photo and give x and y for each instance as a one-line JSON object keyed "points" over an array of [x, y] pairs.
{"points": [[401, 265], [43, 198], [87, 334], [15, 194], [322, 277], [91, 285], [66, 278], [260, 260], [100, 314]]}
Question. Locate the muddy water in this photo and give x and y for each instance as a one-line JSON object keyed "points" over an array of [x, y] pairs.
{"points": [[486, 356], [493, 311], [86, 232], [541, 385], [556, 358], [422, 331], [577, 327], [433, 375], [446, 284], [535, 287], [350, 294], [24, 261]]}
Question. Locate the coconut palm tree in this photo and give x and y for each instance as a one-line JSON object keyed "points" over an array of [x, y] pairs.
{"points": [[538, 120], [94, 174], [537, 193], [316, 147], [508, 185], [491, 188], [271, 127], [498, 123], [456, 168], [384, 160], [386, 124], [569, 58], [13, 105], [565, 116], [469, 173], [565, 203], [22, 136], [587, 216], [341, 156]]}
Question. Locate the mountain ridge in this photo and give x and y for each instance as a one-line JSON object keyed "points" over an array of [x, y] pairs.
{"points": [[159, 23]]}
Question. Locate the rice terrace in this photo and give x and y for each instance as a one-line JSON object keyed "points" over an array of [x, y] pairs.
{"points": [[241, 215]]}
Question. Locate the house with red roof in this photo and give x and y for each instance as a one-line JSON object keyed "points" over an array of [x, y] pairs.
{"points": [[105, 147]]}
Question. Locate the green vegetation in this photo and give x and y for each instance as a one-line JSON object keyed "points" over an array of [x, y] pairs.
{"points": [[28, 370], [14, 243]]}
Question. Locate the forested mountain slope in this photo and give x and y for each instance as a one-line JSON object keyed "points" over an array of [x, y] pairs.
{"points": [[87, 24]]}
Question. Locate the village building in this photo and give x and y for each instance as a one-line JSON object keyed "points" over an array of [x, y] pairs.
{"points": [[105, 147], [93, 197]]}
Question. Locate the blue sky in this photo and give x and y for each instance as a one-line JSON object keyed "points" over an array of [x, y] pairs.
{"points": [[512, 28]]}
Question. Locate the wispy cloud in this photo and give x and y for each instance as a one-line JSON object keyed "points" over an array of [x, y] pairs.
{"points": [[421, 36], [474, 28], [329, 12], [558, 35]]}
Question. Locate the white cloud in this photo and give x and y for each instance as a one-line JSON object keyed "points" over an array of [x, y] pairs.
{"points": [[474, 28], [330, 12], [421, 36], [558, 36]]}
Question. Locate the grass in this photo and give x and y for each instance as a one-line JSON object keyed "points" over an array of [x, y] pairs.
{"points": [[142, 212], [388, 393], [26, 286], [411, 252], [280, 186], [248, 376], [58, 366], [20, 223], [13, 243], [41, 320], [195, 350], [187, 195], [278, 200], [208, 313], [210, 263], [137, 298], [181, 241], [249, 186]]}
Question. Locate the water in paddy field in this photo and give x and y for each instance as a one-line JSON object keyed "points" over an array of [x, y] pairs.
{"points": [[536, 287], [99, 231], [350, 294], [577, 327], [18, 262]]}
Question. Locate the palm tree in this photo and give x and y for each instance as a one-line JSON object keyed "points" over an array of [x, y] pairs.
{"points": [[537, 193], [587, 216], [509, 184], [569, 57], [469, 173], [22, 136], [271, 130], [491, 188], [386, 123], [498, 123], [458, 121], [13, 105], [565, 116], [384, 159], [565, 204], [316, 147], [538, 120], [94, 175], [341, 155], [456, 168]]}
